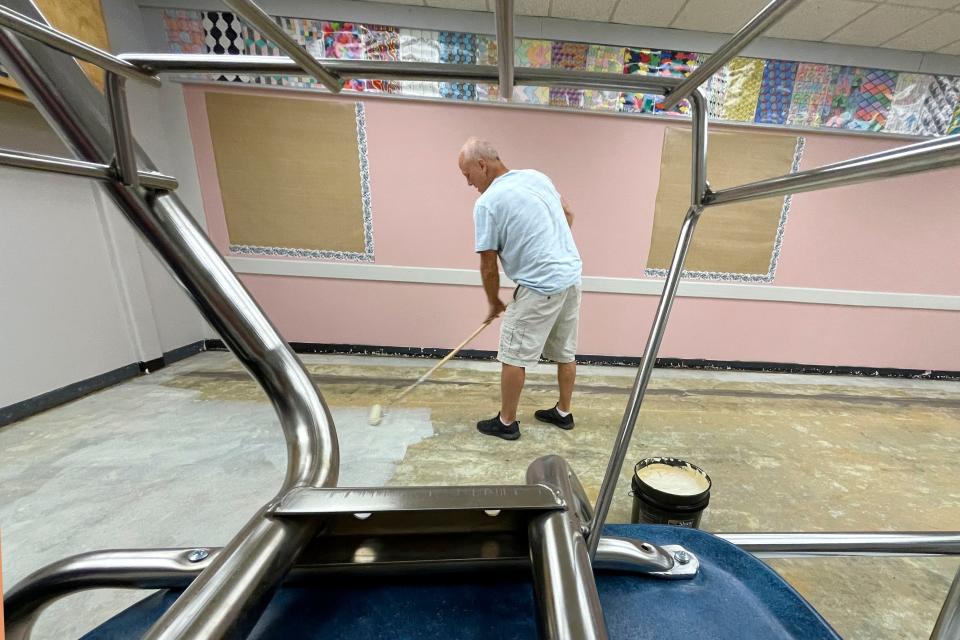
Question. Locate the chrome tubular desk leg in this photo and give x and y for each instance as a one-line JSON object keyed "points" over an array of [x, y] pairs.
{"points": [[948, 622], [265, 548], [568, 606], [504, 20], [126, 158], [657, 330]]}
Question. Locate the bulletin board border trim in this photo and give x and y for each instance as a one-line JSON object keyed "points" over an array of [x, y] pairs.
{"points": [[760, 278], [367, 202]]}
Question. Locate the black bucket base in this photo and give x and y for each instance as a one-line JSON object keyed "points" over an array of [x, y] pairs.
{"points": [[644, 513]]}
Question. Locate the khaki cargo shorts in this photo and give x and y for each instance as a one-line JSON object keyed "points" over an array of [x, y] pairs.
{"points": [[537, 324]]}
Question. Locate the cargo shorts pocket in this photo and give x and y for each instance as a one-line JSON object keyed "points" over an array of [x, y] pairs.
{"points": [[511, 338]]}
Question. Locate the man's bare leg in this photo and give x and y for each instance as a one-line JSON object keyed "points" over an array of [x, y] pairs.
{"points": [[511, 384], [566, 375]]}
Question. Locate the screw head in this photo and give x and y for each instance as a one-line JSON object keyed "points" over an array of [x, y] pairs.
{"points": [[196, 555], [682, 557]]}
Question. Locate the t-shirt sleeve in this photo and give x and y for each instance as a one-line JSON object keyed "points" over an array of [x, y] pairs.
{"points": [[485, 229]]}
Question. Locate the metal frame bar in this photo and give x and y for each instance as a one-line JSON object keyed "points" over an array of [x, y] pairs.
{"points": [[563, 580], [80, 168], [657, 330], [924, 156], [747, 34], [260, 19], [947, 626], [504, 18], [64, 43], [364, 69], [176, 568], [217, 603], [891, 544], [123, 143]]}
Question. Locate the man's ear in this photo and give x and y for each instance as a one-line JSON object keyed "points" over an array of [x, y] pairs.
{"points": [[483, 164]]}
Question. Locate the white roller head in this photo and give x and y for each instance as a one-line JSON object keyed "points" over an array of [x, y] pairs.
{"points": [[376, 415]]}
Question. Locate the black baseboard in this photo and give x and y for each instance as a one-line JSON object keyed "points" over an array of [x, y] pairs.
{"points": [[823, 370], [151, 366], [44, 401], [31, 406], [180, 353], [623, 361]]}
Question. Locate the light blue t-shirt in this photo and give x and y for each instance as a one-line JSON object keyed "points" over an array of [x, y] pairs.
{"points": [[521, 217]]}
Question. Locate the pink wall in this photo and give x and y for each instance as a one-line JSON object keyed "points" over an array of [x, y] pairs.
{"points": [[896, 236]]}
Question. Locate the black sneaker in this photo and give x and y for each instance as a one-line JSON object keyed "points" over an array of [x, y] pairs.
{"points": [[553, 417], [494, 427]]}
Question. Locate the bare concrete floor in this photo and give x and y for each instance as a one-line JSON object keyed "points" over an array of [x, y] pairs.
{"points": [[183, 456]]}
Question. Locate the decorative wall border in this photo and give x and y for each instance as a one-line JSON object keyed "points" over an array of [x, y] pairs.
{"points": [[859, 61], [367, 201], [760, 278]]}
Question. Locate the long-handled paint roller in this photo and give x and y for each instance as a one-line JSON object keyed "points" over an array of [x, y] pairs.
{"points": [[376, 413]]}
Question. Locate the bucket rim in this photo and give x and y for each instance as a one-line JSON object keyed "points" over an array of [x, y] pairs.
{"points": [[669, 499]]}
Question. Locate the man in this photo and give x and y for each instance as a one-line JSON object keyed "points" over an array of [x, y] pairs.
{"points": [[522, 219]]}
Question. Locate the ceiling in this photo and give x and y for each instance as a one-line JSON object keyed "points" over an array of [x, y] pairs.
{"points": [[911, 25]]}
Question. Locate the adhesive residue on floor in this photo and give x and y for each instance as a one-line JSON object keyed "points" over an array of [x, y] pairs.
{"points": [[182, 457]]}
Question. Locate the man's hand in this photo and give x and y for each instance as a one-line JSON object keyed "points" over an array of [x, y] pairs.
{"points": [[496, 308]]}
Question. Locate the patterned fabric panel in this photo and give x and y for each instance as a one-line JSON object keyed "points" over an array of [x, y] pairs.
{"points": [[955, 123], [656, 62], [811, 92], [535, 54], [644, 62], [603, 59], [420, 45], [908, 96], [380, 42], [341, 41], [775, 92], [309, 34], [184, 31], [679, 64], [872, 107], [258, 44], [860, 99], [569, 55], [773, 104], [716, 91], [458, 48], [936, 113], [743, 89], [223, 34], [573, 56], [487, 55]]}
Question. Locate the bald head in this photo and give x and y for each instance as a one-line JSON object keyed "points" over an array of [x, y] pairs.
{"points": [[480, 163], [477, 148]]}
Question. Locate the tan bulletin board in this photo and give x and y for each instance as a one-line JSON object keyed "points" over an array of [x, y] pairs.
{"points": [[735, 241], [82, 19], [292, 175]]}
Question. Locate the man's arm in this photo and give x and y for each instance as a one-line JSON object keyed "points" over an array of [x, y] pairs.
{"points": [[566, 211], [490, 274]]}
